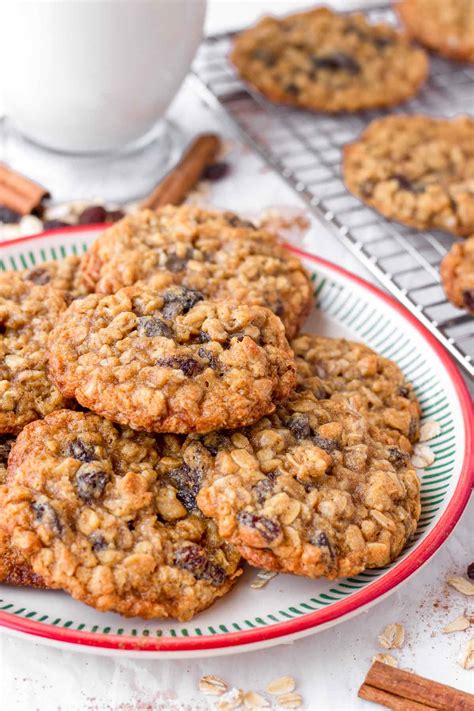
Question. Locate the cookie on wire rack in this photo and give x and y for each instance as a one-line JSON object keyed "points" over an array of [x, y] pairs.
{"points": [[416, 169], [444, 26], [325, 61], [457, 274]]}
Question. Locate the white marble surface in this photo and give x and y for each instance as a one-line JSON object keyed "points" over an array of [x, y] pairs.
{"points": [[328, 666]]}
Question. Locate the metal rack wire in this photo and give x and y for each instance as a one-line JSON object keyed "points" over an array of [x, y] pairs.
{"points": [[305, 149]]}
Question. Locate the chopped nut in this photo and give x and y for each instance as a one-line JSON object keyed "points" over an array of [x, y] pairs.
{"points": [[458, 625], [282, 685], [262, 578], [393, 636], [252, 700], [212, 685], [385, 659], [461, 585], [423, 456], [466, 660], [232, 699], [429, 430], [290, 701]]}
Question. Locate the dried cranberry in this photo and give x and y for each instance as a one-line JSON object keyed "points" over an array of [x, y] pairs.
{"points": [[9, 216], [151, 326], [187, 482], [90, 483], [470, 571], [45, 513], [92, 215], [179, 300], [189, 366], [78, 449], [298, 424], [268, 528], [215, 171], [468, 298], [55, 224], [336, 61], [38, 276]]}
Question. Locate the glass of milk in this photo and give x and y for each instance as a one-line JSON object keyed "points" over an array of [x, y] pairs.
{"points": [[93, 79]]}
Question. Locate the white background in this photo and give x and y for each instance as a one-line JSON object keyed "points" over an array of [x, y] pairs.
{"points": [[329, 666]]}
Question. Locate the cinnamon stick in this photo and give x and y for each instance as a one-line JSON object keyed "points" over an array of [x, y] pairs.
{"points": [[384, 698], [406, 686], [19, 193], [183, 177]]}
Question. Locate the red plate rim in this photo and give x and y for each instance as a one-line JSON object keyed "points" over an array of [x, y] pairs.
{"points": [[313, 619]]}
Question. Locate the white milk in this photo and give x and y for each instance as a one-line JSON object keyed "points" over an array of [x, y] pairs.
{"points": [[94, 75]]}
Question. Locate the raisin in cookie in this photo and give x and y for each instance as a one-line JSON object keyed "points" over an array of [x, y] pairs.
{"points": [[417, 170], [96, 510], [62, 274], [323, 61], [457, 274], [28, 313], [311, 490], [170, 361], [364, 381], [13, 569], [216, 253], [447, 26]]}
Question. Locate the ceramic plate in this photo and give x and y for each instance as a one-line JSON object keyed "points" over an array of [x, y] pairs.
{"points": [[287, 607]]}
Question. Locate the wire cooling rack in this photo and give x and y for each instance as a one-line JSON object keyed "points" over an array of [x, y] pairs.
{"points": [[305, 149]]}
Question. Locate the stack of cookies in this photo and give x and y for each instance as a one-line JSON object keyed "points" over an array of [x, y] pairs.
{"points": [[164, 419]]}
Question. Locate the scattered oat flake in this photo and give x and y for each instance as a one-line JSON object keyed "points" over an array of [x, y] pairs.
{"points": [[212, 685], [282, 685], [466, 660], [393, 636], [423, 456], [458, 625], [429, 430], [460, 584], [290, 701], [262, 578], [232, 699], [252, 700], [385, 659]]}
